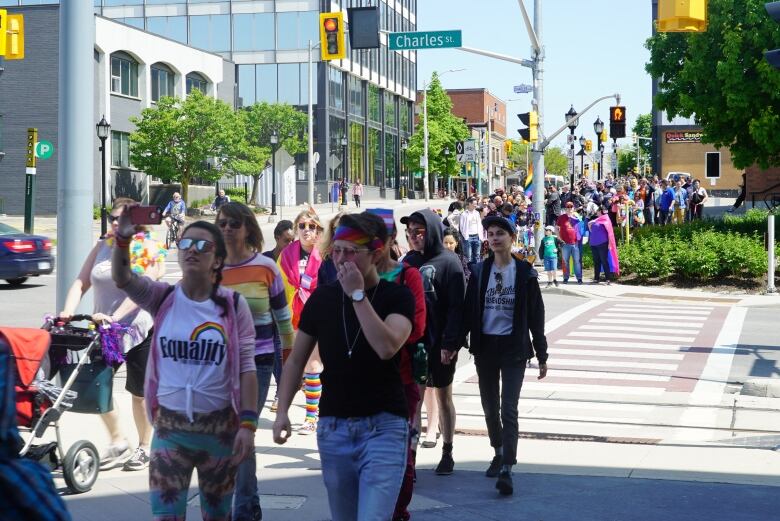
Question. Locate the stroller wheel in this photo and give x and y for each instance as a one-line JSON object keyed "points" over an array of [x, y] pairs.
{"points": [[81, 466]]}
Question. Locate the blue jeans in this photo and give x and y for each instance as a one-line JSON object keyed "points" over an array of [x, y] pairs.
{"points": [[246, 499], [363, 462], [472, 247], [278, 361], [572, 251]]}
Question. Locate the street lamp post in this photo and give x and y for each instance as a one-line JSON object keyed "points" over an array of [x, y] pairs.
{"points": [[274, 142], [446, 162], [598, 128], [404, 170], [572, 127], [103, 128], [582, 158], [345, 172]]}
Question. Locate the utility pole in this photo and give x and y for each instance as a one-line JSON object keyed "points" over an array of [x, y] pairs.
{"points": [[76, 130], [425, 139], [312, 166]]}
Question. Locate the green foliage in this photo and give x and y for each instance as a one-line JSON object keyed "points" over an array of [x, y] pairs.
{"points": [[236, 194], [644, 127], [444, 130], [174, 140], [556, 162], [706, 250], [626, 161], [720, 78]]}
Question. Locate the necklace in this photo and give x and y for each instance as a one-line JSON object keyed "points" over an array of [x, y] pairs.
{"points": [[351, 346]]}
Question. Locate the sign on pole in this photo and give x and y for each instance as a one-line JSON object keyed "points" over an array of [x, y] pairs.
{"points": [[44, 149], [424, 40], [29, 185], [470, 150], [523, 89], [460, 151]]}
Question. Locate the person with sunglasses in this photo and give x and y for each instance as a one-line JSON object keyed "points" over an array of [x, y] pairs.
{"points": [[505, 320], [360, 324], [258, 279], [300, 263], [201, 383], [147, 257]]}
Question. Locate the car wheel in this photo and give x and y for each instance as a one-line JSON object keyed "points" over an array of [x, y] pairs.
{"points": [[16, 282]]}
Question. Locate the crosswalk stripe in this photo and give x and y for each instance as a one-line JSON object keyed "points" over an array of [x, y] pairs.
{"points": [[652, 307], [599, 389], [624, 345], [688, 330], [572, 362], [633, 322], [567, 373], [597, 334], [648, 316], [569, 351]]}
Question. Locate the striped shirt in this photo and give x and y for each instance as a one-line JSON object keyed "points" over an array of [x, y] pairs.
{"points": [[259, 280]]}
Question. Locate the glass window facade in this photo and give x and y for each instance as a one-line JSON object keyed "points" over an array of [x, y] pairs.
{"points": [[173, 27], [335, 88], [246, 85], [253, 32], [391, 160], [337, 131], [124, 75], [374, 104], [289, 83], [390, 120], [265, 81], [374, 174], [210, 32], [357, 167], [162, 81], [196, 81], [355, 96], [120, 149]]}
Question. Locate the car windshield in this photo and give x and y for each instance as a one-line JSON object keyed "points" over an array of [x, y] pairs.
{"points": [[8, 230]]}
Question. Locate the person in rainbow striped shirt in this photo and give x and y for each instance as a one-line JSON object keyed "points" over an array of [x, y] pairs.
{"points": [[259, 280]]}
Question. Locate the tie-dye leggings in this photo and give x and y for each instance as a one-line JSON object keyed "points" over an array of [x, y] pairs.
{"points": [[178, 447]]}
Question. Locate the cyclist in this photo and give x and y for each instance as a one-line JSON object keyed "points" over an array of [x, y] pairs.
{"points": [[175, 211]]}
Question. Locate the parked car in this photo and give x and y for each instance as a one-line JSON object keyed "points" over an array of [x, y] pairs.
{"points": [[672, 177], [23, 255]]}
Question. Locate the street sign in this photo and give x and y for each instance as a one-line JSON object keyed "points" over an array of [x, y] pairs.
{"points": [[470, 150], [571, 153], [570, 139], [424, 40], [32, 139], [44, 149], [460, 151], [614, 162], [523, 89]]}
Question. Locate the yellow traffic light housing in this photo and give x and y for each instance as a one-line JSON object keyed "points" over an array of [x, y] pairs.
{"points": [[531, 120], [588, 145], [508, 147], [3, 28], [332, 41], [14, 37], [603, 136], [682, 16]]}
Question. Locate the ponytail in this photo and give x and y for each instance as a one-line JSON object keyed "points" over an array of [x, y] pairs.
{"points": [[219, 300]]}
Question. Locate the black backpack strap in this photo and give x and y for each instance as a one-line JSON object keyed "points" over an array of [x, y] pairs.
{"points": [[236, 295]]}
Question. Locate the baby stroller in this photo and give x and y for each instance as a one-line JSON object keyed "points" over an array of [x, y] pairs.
{"points": [[39, 354]]}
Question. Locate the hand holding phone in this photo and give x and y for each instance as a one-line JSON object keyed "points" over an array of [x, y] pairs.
{"points": [[145, 215]]}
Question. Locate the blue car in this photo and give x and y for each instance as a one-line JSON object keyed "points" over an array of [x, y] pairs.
{"points": [[23, 255]]}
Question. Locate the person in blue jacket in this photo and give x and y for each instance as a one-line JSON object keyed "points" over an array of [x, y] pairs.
{"points": [[667, 199]]}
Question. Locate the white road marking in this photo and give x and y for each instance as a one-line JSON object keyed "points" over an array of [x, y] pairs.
{"points": [[611, 363], [564, 351], [644, 317], [602, 375], [626, 345], [688, 329], [598, 334], [634, 322]]}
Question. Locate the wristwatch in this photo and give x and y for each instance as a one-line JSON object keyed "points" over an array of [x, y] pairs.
{"points": [[358, 295]]}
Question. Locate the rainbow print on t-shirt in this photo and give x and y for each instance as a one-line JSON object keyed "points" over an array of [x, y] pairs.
{"points": [[207, 327]]}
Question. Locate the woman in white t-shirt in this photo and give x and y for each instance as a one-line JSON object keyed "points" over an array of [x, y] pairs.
{"points": [[201, 387], [697, 199]]}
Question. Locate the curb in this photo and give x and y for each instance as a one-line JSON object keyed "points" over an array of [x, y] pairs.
{"points": [[765, 387]]}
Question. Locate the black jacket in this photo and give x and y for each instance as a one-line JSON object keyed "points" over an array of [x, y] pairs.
{"points": [[444, 284], [528, 316]]}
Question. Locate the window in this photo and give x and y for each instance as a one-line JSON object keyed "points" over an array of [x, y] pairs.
{"points": [[120, 149], [246, 85], [356, 96], [374, 104], [403, 109], [196, 81], [336, 88], [108, 3], [135, 22], [337, 131], [162, 81], [305, 84], [253, 32], [289, 83], [210, 32], [173, 27], [124, 75], [266, 83], [356, 144], [391, 160], [295, 29], [712, 165], [390, 120], [374, 173]]}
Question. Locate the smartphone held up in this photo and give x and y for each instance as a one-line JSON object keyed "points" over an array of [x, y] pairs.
{"points": [[145, 215]]}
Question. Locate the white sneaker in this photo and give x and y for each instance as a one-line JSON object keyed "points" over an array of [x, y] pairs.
{"points": [[138, 461], [307, 428], [115, 455]]}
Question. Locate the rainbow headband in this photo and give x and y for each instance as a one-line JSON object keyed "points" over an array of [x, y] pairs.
{"points": [[345, 233]]}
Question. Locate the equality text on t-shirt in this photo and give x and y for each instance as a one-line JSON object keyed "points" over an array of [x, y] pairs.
{"points": [[207, 345]]}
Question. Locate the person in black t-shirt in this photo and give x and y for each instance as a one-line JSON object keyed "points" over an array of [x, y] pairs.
{"points": [[360, 323]]}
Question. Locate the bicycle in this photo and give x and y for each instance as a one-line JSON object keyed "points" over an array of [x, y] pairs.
{"points": [[172, 237]]}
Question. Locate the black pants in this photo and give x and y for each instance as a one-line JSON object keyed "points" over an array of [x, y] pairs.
{"points": [[501, 374], [600, 254], [357, 200]]}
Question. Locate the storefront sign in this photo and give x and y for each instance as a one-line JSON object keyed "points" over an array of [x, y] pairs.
{"points": [[683, 137]]}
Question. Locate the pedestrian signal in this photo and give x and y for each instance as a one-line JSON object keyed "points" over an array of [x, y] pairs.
{"points": [[617, 122], [531, 120], [332, 45]]}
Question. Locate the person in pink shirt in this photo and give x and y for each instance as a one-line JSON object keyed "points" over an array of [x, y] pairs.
{"points": [[357, 192]]}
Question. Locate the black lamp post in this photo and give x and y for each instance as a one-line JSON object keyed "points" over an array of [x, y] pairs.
{"points": [[405, 174], [581, 153], [446, 162], [572, 127], [598, 128], [103, 128], [274, 142]]}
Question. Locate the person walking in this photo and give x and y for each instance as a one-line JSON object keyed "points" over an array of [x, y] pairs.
{"points": [[111, 305], [360, 324], [220, 200], [357, 192], [343, 190], [567, 233], [201, 384], [549, 249], [603, 247], [505, 321], [698, 197], [259, 281], [666, 203], [444, 285], [470, 227]]}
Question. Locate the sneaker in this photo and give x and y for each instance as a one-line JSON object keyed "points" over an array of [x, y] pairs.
{"points": [[138, 461], [549, 285], [115, 455], [307, 428], [446, 465], [495, 467], [504, 483], [579, 281], [555, 282], [275, 405]]}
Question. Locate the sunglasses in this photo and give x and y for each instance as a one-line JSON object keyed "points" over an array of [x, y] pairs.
{"points": [[233, 223], [311, 226], [201, 245], [113, 218], [348, 253], [499, 282], [415, 232]]}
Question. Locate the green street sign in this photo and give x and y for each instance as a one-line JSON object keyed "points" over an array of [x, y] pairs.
{"points": [[425, 40], [44, 149]]}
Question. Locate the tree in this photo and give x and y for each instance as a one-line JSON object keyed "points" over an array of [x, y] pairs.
{"points": [[644, 128], [556, 162], [175, 140], [260, 121], [444, 130], [626, 161], [721, 79]]}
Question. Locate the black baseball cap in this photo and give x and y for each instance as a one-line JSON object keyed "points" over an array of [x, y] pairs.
{"points": [[416, 217], [501, 222]]}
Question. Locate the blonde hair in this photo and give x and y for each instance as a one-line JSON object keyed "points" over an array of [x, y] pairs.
{"points": [[308, 215], [326, 240]]}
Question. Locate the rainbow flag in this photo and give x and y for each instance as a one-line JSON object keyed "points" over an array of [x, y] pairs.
{"points": [[529, 180]]}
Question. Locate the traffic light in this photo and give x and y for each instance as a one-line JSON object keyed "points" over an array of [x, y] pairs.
{"points": [[773, 57], [332, 45], [14, 37], [682, 16], [531, 120], [603, 136], [508, 147], [588, 145], [617, 122], [3, 28]]}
